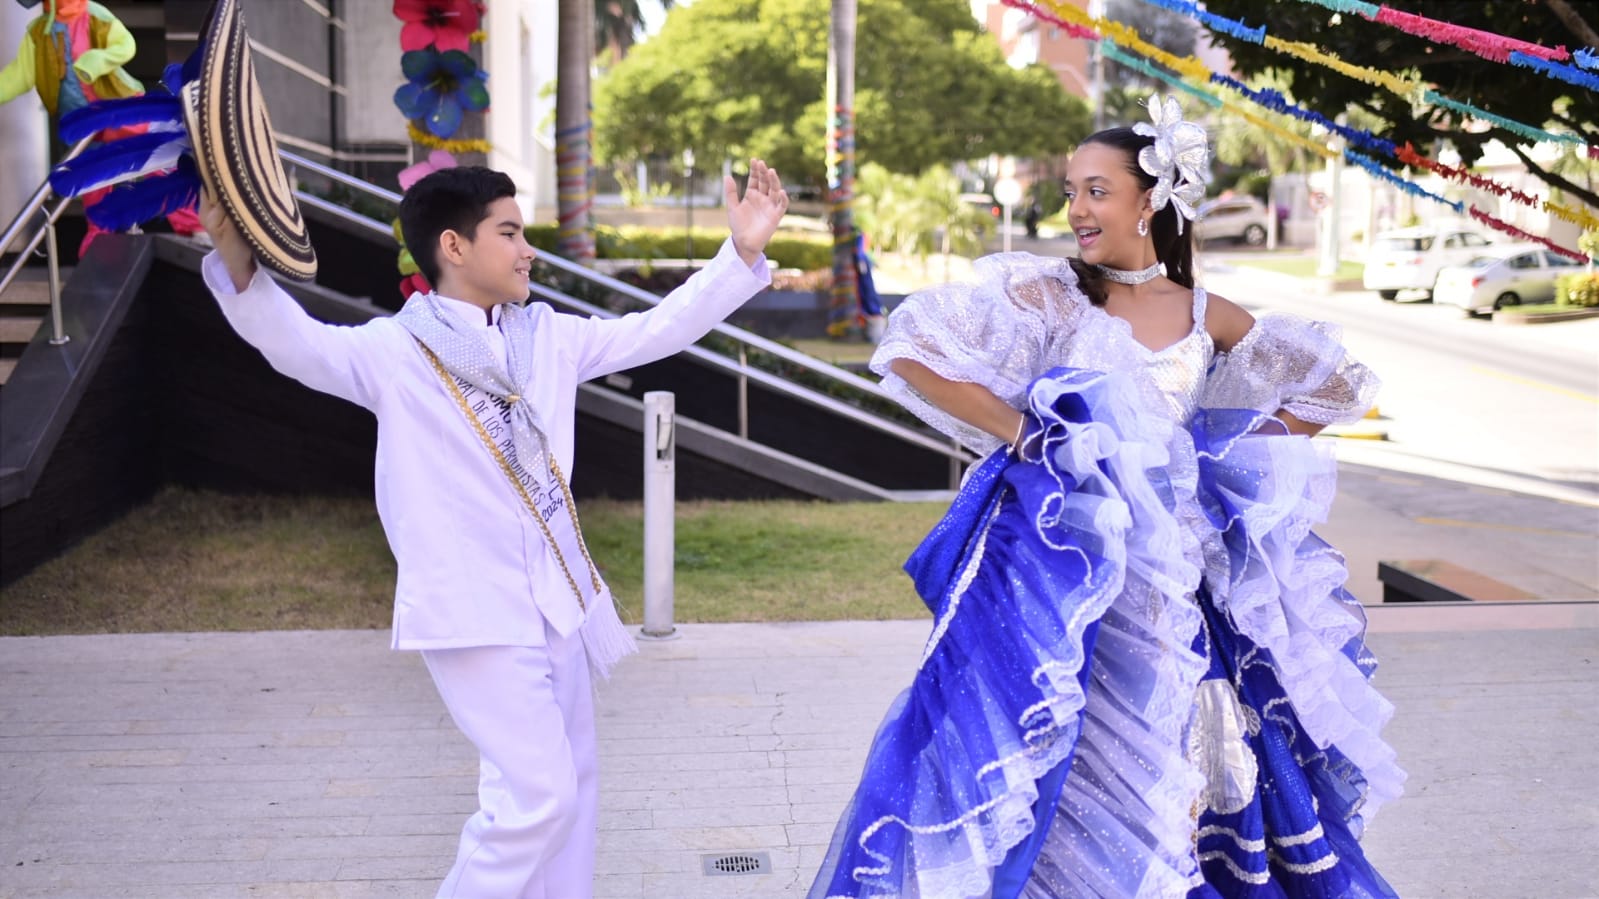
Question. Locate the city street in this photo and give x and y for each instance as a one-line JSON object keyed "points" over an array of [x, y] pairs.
{"points": [[1522, 400]]}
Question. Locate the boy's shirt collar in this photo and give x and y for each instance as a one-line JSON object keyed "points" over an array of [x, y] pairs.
{"points": [[472, 315]]}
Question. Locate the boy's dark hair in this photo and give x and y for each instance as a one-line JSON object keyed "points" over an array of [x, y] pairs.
{"points": [[1173, 248], [448, 200]]}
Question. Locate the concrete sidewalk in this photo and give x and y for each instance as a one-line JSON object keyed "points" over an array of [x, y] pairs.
{"points": [[321, 764]]}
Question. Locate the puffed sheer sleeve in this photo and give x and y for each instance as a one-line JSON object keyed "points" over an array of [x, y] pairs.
{"points": [[997, 332], [1294, 364]]}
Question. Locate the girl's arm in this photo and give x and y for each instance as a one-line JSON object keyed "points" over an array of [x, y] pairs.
{"points": [[972, 403]]}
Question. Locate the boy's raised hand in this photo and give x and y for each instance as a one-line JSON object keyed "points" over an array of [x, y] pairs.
{"points": [[754, 219], [237, 256]]}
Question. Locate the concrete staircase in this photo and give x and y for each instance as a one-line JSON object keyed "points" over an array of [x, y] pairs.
{"points": [[24, 309]]}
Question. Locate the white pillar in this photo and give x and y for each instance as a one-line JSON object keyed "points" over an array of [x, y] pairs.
{"points": [[1328, 267], [660, 498], [24, 127]]}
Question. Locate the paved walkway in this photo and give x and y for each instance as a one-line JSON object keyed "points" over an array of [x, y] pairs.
{"points": [[323, 765]]}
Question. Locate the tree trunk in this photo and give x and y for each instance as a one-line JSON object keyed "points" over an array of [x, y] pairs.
{"points": [[841, 165], [1574, 21], [573, 129]]}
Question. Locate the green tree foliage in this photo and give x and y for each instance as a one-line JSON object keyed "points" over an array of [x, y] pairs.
{"points": [[918, 215], [741, 78], [1505, 90]]}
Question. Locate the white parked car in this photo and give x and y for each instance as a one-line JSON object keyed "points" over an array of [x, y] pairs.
{"points": [[1508, 276], [1411, 258], [1241, 218]]}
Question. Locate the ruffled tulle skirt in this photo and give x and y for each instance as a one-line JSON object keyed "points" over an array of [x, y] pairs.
{"points": [[1100, 709]]}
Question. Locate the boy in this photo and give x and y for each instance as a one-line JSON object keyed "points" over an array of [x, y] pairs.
{"points": [[474, 396]]}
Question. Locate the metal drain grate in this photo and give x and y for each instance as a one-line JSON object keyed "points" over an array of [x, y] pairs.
{"points": [[737, 863]]}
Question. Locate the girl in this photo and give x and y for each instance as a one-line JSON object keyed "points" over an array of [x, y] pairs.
{"points": [[1145, 677]]}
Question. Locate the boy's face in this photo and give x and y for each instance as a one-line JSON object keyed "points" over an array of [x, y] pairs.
{"points": [[492, 267]]}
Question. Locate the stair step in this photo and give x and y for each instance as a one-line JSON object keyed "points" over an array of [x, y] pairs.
{"points": [[7, 366], [25, 293], [30, 290], [18, 330]]}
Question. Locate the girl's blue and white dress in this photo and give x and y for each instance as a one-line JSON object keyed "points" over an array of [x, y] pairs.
{"points": [[1144, 678]]}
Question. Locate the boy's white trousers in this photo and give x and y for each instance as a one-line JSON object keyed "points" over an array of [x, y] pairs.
{"points": [[530, 713]]}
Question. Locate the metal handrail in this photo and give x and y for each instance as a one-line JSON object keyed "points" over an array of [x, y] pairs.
{"points": [[769, 380], [747, 340], [739, 367], [47, 234], [297, 161]]}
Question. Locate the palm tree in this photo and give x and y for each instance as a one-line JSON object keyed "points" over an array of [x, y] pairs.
{"points": [[841, 161], [574, 129], [617, 24]]}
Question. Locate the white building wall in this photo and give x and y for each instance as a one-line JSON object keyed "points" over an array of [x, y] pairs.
{"points": [[520, 59], [24, 127], [372, 74]]}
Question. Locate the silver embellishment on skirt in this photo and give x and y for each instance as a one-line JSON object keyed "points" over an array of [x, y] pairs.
{"points": [[1217, 747]]}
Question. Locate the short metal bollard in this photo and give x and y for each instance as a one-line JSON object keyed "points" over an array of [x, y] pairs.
{"points": [[660, 499]]}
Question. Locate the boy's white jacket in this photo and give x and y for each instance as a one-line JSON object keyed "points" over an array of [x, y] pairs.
{"points": [[474, 569]]}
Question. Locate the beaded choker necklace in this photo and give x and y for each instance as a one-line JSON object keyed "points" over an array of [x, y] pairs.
{"points": [[1122, 276]]}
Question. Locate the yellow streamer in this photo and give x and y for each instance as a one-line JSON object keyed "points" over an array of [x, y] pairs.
{"points": [[1409, 88], [1195, 70], [1575, 216], [460, 145]]}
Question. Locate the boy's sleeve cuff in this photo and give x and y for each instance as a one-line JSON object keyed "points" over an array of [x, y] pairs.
{"points": [[215, 273]]}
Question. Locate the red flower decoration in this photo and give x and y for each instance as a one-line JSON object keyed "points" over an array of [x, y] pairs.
{"points": [[414, 284], [444, 24]]}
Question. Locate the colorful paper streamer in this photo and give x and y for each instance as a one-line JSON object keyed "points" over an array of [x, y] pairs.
{"points": [[454, 145], [1570, 74], [1192, 68]]}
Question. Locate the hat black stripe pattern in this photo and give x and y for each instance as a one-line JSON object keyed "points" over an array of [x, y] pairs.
{"points": [[238, 153]]}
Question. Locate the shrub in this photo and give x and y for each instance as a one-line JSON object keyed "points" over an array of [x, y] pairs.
{"points": [[632, 242], [1578, 289]]}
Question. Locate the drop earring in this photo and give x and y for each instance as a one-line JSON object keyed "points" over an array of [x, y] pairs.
{"points": [[1143, 227]]}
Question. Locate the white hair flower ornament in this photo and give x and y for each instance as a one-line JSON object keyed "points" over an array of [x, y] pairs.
{"points": [[1179, 160]]}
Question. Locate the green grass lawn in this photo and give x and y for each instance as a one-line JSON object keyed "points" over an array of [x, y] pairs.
{"points": [[1548, 309], [1302, 266], [197, 561], [837, 352]]}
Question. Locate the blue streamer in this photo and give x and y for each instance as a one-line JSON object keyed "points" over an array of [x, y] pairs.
{"points": [[1214, 22], [1358, 7], [1276, 102], [1566, 73], [1586, 59], [1410, 187], [1258, 36]]}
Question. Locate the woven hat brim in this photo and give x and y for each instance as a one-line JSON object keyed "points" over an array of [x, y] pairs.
{"points": [[236, 152]]}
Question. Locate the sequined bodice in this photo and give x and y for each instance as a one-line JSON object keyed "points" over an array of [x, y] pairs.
{"points": [[1178, 371], [1104, 342]]}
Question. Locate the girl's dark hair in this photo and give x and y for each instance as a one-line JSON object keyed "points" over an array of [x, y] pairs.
{"points": [[1174, 249]]}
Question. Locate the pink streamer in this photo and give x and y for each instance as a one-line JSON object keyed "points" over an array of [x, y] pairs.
{"points": [[1486, 44], [1513, 231]]}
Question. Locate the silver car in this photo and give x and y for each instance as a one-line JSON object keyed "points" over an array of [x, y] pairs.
{"points": [[1507, 276], [1241, 218]]}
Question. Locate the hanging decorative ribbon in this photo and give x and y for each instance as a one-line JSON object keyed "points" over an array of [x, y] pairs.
{"points": [[1192, 69]]}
